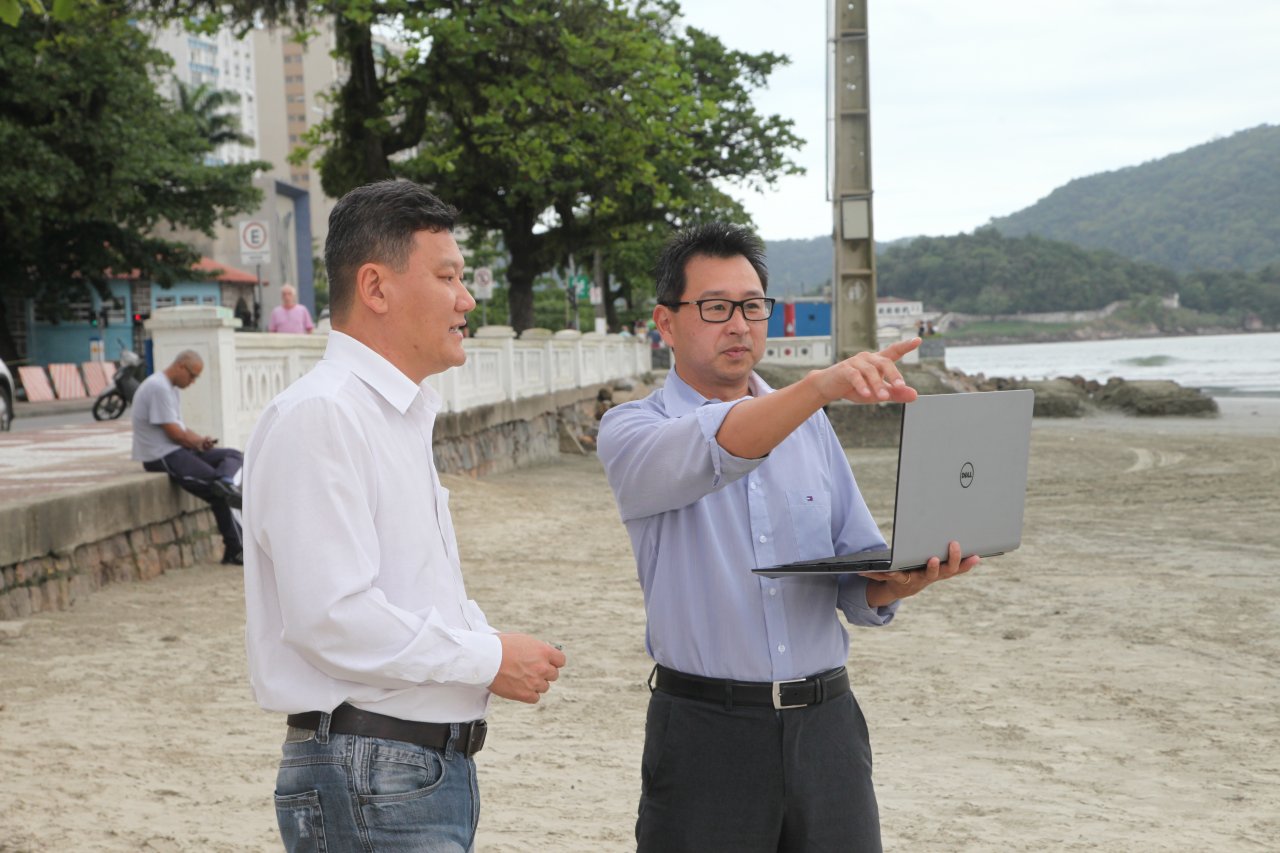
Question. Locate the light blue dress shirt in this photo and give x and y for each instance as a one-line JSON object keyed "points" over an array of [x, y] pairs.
{"points": [[700, 519]]}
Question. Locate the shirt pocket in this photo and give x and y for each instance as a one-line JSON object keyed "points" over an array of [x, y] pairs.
{"points": [[810, 512]]}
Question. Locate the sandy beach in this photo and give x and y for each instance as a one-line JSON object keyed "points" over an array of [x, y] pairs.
{"points": [[1110, 686]]}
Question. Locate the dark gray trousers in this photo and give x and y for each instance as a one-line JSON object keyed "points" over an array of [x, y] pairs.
{"points": [[756, 779], [194, 471]]}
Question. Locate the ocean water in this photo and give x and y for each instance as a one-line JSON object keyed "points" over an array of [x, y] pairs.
{"points": [[1221, 365]]}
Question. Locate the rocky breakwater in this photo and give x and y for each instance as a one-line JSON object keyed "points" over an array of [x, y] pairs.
{"points": [[1064, 397], [1075, 396]]}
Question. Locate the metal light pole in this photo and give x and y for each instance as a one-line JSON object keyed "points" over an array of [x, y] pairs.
{"points": [[853, 290]]}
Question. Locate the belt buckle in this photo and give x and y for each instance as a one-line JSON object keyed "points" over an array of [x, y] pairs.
{"points": [[476, 736], [777, 694]]}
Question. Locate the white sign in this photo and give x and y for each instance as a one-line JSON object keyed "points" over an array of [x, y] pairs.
{"points": [[255, 242], [482, 283]]}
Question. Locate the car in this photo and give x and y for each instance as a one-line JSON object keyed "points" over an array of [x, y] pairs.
{"points": [[6, 397]]}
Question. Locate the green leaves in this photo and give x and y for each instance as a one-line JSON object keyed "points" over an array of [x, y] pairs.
{"points": [[97, 163], [556, 123]]}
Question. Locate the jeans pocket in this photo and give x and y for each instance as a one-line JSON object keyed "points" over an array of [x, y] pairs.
{"points": [[301, 822], [400, 772], [413, 792]]}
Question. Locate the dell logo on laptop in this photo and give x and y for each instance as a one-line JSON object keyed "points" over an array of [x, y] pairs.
{"points": [[966, 475]]}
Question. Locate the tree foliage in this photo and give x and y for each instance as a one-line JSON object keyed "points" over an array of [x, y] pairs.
{"points": [[1212, 207], [558, 125], [97, 163], [208, 108], [987, 273]]}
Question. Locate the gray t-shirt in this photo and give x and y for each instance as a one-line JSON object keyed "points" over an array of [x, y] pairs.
{"points": [[154, 403]]}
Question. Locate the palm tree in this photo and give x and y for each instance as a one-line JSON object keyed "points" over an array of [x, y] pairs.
{"points": [[206, 106]]}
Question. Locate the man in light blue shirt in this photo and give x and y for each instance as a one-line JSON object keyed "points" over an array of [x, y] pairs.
{"points": [[753, 741]]}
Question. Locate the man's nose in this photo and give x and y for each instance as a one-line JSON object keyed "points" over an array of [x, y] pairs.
{"points": [[467, 301], [737, 322]]}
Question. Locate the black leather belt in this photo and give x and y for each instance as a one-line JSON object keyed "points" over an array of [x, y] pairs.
{"points": [[796, 693], [349, 720]]}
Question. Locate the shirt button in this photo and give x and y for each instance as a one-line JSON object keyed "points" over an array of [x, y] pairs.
{"points": [[763, 539], [773, 591], [781, 648], [753, 484]]}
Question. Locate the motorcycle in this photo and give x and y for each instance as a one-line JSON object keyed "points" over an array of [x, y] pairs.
{"points": [[117, 396]]}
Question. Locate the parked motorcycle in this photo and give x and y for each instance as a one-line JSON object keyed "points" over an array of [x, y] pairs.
{"points": [[117, 396]]}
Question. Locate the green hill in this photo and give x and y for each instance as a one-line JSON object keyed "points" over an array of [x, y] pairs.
{"points": [[1212, 207], [988, 273], [798, 267]]}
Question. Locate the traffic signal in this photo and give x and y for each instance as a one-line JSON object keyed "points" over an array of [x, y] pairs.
{"points": [[138, 318]]}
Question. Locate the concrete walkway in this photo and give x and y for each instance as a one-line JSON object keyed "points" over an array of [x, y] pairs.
{"points": [[39, 464]]}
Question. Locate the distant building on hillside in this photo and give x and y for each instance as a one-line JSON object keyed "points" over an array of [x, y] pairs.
{"points": [[892, 311]]}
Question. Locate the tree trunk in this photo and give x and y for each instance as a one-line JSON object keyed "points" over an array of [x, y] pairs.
{"points": [[527, 263], [361, 156], [610, 313], [8, 346], [520, 276]]}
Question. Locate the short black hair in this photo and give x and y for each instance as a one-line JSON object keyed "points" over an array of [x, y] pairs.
{"points": [[714, 239], [376, 223]]}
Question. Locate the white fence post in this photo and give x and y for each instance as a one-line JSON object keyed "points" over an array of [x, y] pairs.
{"points": [[208, 406]]}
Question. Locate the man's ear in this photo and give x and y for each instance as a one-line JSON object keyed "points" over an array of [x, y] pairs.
{"points": [[371, 281], [663, 318]]}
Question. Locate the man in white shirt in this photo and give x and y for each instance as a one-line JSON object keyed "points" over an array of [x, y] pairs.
{"points": [[358, 623], [162, 443]]}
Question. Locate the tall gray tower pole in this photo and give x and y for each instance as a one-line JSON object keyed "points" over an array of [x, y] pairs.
{"points": [[853, 293]]}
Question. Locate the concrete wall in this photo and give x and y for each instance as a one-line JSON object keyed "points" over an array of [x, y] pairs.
{"points": [[58, 550]]}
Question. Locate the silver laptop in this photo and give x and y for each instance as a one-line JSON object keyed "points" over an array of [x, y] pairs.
{"points": [[962, 475]]}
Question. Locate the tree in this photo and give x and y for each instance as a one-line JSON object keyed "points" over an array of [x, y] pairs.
{"points": [[207, 107], [556, 124], [97, 163]]}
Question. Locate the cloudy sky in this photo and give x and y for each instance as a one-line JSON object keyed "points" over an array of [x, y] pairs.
{"points": [[983, 107]]}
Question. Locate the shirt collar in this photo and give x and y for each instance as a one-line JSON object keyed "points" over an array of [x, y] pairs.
{"points": [[378, 373], [680, 398]]}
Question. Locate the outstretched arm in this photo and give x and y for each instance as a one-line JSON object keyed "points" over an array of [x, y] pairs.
{"points": [[756, 426]]}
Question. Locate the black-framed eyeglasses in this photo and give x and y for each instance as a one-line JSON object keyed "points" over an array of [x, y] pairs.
{"points": [[720, 310]]}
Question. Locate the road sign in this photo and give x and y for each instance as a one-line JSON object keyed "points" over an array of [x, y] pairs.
{"points": [[255, 241], [482, 283], [581, 285]]}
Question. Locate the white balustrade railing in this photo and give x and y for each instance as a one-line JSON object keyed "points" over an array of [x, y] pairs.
{"points": [[814, 351], [244, 371], [819, 351]]}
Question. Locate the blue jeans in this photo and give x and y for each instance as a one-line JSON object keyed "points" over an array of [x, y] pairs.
{"points": [[337, 793]]}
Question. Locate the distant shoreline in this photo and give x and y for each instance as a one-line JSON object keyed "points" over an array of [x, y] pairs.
{"points": [[1084, 335]]}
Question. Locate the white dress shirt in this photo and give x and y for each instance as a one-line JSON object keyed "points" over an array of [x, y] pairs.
{"points": [[353, 589]]}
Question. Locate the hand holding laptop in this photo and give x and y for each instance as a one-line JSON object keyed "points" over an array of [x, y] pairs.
{"points": [[892, 586]]}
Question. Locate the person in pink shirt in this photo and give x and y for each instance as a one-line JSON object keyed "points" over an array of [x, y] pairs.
{"points": [[290, 316]]}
